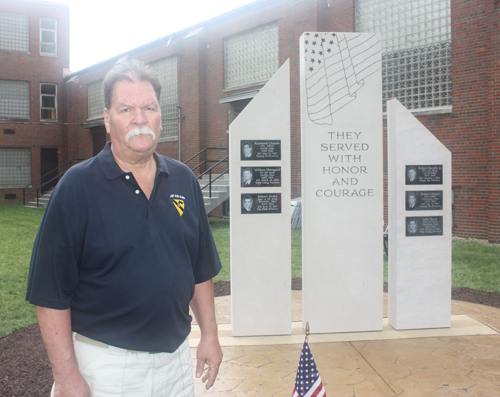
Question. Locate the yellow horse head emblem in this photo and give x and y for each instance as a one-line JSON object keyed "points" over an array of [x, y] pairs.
{"points": [[179, 204]]}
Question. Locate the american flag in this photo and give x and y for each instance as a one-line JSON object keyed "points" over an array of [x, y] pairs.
{"points": [[336, 65], [308, 382]]}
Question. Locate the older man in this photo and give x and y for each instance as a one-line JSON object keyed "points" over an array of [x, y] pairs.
{"points": [[122, 251]]}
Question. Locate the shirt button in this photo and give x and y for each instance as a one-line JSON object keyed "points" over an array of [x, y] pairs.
{"points": [[127, 177], [137, 191]]}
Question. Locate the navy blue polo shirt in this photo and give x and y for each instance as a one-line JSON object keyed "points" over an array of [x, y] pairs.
{"points": [[126, 266]]}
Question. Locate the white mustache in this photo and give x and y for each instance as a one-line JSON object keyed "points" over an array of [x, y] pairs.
{"points": [[140, 131]]}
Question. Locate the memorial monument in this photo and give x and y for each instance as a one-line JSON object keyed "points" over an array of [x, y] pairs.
{"points": [[259, 153], [342, 181], [419, 172]]}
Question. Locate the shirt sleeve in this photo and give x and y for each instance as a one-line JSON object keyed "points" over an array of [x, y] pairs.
{"points": [[53, 274]]}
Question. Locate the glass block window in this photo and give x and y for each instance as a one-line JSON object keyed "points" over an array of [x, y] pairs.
{"points": [[48, 36], [14, 99], [251, 57], [96, 100], [15, 167], [48, 101], [416, 45], [14, 32], [167, 73]]}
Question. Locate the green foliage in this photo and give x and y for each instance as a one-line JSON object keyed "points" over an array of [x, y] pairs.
{"points": [[476, 266], [18, 227]]}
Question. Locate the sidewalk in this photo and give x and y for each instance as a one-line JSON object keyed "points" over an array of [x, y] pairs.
{"points": [[463, 360]]}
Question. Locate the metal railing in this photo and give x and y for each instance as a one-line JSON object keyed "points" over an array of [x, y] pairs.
{"points": [[39, 190], [204, 167]]}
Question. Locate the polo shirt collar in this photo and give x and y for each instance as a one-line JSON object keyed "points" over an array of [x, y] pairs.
{"points": [[112, 170]]}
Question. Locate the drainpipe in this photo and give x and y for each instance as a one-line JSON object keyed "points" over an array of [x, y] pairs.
{"points": [[179, 116]]}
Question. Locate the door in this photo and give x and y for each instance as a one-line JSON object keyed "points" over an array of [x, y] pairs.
{"points": [[48, 168]]}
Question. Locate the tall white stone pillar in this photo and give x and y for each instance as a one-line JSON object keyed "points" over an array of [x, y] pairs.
{"points": [[342, 181]]}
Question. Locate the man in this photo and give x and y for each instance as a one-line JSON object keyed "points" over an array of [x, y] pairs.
{"points": [[412, 200], [122, 251], [412, 227], [247, 151], [411, 174], [247, 203], [246, 178]]}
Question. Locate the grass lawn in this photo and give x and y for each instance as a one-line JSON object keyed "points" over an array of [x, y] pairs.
{"points": [[475, 265], [18, 227]]}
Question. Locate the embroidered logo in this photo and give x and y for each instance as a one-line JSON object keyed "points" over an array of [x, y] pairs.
{"points": [[178, 202]]}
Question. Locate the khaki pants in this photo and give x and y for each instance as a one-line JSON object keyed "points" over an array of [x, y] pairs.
{"points": [[111, 371]]}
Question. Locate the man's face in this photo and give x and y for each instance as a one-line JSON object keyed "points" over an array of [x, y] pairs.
{"points": [[133, 118], [412, 226], [411, 200], [247, 150], [411, 174], [247, 176], [247, 203]]}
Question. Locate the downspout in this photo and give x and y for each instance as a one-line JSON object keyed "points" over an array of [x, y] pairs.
{"points": [[179, 116]]}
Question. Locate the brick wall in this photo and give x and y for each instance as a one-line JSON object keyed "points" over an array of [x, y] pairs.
{"points": [[36, 69], [470, 131]]}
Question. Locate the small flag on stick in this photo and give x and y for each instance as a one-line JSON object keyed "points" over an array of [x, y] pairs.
{"points": [[308, 382]]}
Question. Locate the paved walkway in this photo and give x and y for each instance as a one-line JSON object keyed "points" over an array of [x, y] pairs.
{"points": [[461, 361]]}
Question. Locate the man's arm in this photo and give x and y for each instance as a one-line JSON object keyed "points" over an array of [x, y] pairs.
{"points": [[209, 350], [55, 326]]}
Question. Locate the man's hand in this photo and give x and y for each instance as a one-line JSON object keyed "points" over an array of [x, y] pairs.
{"points": [[209, 353], [74, 387]]}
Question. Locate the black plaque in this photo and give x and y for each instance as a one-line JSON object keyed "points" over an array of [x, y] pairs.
{"points": [[424, 174], [424, 226], [261, 203], [424, 200], [260, 150], [260, 176]]}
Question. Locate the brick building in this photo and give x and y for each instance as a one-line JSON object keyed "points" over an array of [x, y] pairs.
{"points": [[441, 59], [34, 56]]}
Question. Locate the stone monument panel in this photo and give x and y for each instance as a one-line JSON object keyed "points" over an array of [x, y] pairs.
{"points": [[424, 174], [342, 181], [424, 200], [260, 176], [419, 246], [260, 150]]}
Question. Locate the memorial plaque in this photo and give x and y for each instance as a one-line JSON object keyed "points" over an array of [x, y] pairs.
{"points": [[424, 226], [261, 203], [260, 150], [260, 176], [424, 200], [424, 174]]}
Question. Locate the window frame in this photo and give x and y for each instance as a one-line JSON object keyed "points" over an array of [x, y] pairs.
{"points": [[42, 43], [26, 110], [14, 168], [42, 108]]}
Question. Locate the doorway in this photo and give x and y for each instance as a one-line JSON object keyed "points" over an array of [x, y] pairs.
{"points": [[48, 168]]}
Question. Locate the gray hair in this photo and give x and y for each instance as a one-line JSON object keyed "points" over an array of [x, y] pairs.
{"points": [[130, 70]]}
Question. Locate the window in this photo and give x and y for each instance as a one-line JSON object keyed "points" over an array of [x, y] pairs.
{"points": [[48, 101], [416, 46], [14, 99], [14, 32], [15, 167], [167, 74], [96, 100], [251, 57], [48, 36]]}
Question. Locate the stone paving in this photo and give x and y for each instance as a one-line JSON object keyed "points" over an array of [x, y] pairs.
{"points": [[431, 366]]}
